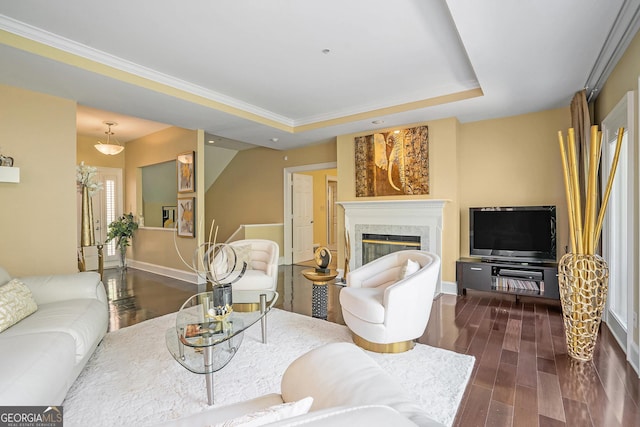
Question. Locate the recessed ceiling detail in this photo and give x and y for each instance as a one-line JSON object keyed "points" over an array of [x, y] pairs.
{"points": [[278, 69]]}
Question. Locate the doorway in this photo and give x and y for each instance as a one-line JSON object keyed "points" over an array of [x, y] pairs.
{"points": [[107, 207], [302, 217], [332, 212], [288, 248]]}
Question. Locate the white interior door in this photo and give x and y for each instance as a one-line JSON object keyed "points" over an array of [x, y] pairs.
{"points": [[302, 217], [332, 215], [618, 227]]}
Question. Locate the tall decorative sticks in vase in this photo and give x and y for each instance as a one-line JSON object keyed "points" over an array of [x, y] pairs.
{"points": [[583, 275]]}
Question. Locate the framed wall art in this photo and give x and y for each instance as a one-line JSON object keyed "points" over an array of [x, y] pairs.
{"points": [[393, 163], [186, 172], [187, 216]]}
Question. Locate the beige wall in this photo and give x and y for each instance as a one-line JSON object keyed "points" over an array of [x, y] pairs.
{"points": [[624, 78], [274, 232], [320, 203], [510, 162], [155, 246], [250, 189], [443, 175], [38, 216]]}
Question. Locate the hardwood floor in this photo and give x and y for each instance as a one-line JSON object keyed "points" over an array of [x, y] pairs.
{"points": [[522, 375]]}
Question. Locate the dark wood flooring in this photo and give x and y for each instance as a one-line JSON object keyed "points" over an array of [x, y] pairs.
{"points": [[522, 375]]}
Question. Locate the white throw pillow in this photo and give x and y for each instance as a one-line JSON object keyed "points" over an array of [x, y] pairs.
{"points": [[270, 414], [16, 303], [409, 268]]}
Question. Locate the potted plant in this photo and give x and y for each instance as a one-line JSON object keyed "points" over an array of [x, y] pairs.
{"points": [[122, 231]]}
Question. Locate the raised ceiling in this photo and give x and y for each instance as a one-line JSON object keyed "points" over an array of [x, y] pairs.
{"points": [[286, 73]]}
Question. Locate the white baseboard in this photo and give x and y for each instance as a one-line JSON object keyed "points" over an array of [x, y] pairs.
{"points": [[449, 288], [187, 276], [634, 358]]}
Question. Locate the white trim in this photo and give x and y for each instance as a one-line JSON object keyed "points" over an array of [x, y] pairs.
{"points": [[622, 115], [70, 46], [327, 180], [185, 276], [622, 32], [633, 357], [448, 288], [64, 44], [172, 229]]}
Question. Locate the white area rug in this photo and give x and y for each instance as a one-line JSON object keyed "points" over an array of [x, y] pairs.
{"points": [[132, 379]]}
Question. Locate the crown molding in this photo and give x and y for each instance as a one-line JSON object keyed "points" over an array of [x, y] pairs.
{"points": [[67, 51], [55, 41], [622, 32]]}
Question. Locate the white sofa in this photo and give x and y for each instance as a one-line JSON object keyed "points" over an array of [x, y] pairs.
{"points": [[387, 302], [347, 386], [42, 355]]}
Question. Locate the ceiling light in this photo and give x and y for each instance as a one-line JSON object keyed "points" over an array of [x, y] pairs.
{"points": [[109, 148], [326, 51], [377, 122], [274, 140], [211, 141]]}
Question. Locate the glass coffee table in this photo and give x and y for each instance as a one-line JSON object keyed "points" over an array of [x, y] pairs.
{"points": [[204, 342]]}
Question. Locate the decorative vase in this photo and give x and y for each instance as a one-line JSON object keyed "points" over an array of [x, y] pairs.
{"points": [[123, 256], [583, 281], [222, 297], [87, 237]]}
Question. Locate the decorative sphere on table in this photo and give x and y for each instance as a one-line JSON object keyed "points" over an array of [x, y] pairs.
{"points": [[323, 259]]}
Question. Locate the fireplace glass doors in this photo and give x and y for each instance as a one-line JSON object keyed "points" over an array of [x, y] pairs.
{"points": [[377, 245]]}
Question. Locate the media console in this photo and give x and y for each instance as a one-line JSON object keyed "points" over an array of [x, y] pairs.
{"points": [[536, 280]]}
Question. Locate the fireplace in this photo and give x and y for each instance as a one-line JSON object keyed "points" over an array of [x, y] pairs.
{"points": [[418, 218], [377, 245]]}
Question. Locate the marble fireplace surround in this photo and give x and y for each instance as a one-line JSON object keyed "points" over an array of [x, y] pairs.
{"points": [[413, 217]]}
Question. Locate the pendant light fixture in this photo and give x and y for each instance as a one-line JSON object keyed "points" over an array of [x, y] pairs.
{"points": [[109, 148]]}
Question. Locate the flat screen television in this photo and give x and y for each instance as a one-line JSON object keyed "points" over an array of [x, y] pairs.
{"points": [[521, 234]]}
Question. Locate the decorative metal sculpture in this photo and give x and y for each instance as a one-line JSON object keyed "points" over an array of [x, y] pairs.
{"points": [[219, 266]]}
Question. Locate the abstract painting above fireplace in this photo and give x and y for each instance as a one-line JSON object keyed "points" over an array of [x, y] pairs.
{"points": [[393, 163]]}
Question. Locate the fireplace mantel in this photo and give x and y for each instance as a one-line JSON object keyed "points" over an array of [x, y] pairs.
{"points": [[416, 216]]}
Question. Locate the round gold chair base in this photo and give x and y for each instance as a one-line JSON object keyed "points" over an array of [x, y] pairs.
{"points": [[394, 347]]}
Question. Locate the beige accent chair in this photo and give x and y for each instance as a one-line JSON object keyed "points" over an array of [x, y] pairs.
{"points": [[387, 302], [262, 264]]}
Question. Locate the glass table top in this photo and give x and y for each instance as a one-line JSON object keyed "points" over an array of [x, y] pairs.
{"points": [[200, 325]]}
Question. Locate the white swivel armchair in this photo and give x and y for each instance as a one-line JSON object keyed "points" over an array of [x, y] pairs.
{"points": [[262, 264], [387, 302]]}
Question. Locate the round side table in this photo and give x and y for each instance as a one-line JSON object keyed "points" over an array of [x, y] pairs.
{"points": [[320, 281]]}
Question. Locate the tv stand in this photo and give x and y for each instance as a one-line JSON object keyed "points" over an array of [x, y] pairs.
{"points": [[519, 279]]}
